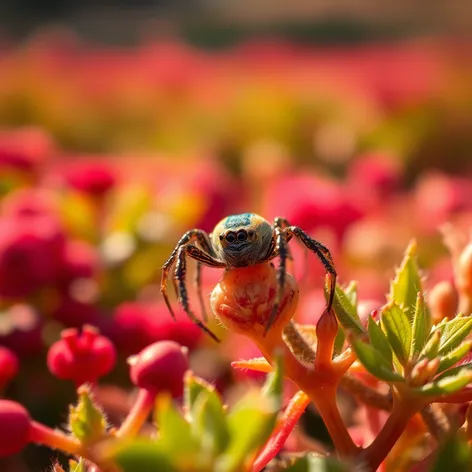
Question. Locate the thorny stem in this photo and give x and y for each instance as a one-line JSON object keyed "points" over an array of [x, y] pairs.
{"points": [[138, 414]]}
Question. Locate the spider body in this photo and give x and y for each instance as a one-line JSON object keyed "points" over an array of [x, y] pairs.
{"points": [[239, 241]]}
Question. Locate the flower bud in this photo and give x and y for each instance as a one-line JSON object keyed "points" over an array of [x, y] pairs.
{"points": [[244, 298], [81, 357], [160, 367], [14, 427], [8, 366], [442, 301]]}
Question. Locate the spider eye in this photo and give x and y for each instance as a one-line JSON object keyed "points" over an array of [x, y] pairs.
{"points": [[242, 235], [230, 237], [250, 233], [221, 237]]}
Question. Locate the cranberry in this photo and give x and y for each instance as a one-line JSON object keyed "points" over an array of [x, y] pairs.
{"points": [[160, 367], [14, 427], [81, 357]]}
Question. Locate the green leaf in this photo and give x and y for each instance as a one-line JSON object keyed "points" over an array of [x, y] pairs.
{"points": [[454, 356], [86, 420], [454, 370], [446, 385], [175, 434], [378, 339], [209, 423], [351, 294], [143, 455], [454, 454], [454, 332], [407, 282], [346, 312], [339, 341], [312, 463], [193, 386], [431, 348], [374, 361], [421, 325], [398, 330], [251, 422], [273, 387]]}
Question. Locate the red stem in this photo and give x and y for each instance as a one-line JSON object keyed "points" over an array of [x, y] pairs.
{"points": [[396, 423], [138, 414], [292, 414], [54, 439]]}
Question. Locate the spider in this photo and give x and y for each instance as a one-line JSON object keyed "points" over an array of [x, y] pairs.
{"points": [[239, 241]]}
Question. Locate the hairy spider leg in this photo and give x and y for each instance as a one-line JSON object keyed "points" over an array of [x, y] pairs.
{"points": [[179, 275], [279, 247], [191, 235], [283, 235], [323, 254]]}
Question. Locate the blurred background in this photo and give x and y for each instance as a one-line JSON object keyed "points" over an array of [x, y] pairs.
{"points": [[124, 124]]}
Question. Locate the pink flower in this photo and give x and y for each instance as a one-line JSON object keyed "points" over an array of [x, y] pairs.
{"points": [[81, 357], [79, 260], [93, 178], [137, 324], [30, 250], [75, 313], [311, 202], [9, 366], [24, 149]]}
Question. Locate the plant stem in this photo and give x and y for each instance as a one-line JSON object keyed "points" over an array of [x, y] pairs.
{"points": [[396, 423], [321, 387], [54, 439], [138, 414], [285, 426]]}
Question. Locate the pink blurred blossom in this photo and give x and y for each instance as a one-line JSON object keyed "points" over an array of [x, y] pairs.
{"points": [[24, 149], [137, 324], [30, 254], [94, 178]]}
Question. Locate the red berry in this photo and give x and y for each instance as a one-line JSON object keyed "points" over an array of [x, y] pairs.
{"points": [[81, 357], [8, 366], [14, 427], [160, 367]]}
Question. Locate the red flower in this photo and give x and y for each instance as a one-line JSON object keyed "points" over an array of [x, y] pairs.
{"points": [[79, 260], [74, 313], [311, 202], [160, 367], [30, 251], [81, 357], [93, 178], [8, 366], [138, 324]]}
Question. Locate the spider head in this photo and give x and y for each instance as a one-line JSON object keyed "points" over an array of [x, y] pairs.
{"points": [[242, 240]]}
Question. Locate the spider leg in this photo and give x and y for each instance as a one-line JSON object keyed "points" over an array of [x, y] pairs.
{"points": [[179, 276], [323, 254], [198, 283], [280, 248], [194, 234]]}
